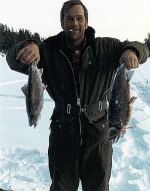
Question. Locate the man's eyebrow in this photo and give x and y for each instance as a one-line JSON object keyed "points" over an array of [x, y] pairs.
{"points": [[75, 15]]}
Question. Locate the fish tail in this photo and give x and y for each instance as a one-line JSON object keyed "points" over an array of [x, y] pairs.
{"points": [[24, 89]]}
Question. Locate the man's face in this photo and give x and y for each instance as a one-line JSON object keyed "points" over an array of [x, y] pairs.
{"points": [[74, 23]]}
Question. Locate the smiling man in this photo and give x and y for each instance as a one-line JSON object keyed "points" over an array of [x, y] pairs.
{"points": [[78, 69], [74, 24]]}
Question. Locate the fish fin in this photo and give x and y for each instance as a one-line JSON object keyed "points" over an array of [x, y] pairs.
{"points": [[108, 94], [132, 100], [35, 124], [44, 87], [40, 71], [129, 75], [131, 127], [24, 89]]}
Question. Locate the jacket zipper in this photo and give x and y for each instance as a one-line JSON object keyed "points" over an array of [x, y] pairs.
{"points": [[72, 73], [78, 98], [85, 53]]}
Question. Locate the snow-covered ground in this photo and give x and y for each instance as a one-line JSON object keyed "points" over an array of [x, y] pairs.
{"points": [[23, 149]]}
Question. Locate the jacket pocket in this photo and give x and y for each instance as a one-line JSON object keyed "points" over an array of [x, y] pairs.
{"points": [[96, 112], [95, 117]]}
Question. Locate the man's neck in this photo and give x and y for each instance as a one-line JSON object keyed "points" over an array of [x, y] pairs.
{"points": [[76, 45]]}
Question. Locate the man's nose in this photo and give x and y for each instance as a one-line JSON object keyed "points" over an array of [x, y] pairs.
{"points": [[75, 21]]}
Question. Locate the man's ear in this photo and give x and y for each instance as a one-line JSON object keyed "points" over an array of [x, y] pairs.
{"points": [[62, 25], [86, 26]]}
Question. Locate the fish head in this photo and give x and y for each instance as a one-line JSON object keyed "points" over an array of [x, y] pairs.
{"points": [[116, 133], [113, 135]]}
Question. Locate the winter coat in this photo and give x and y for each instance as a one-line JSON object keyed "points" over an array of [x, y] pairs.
{"points": [[99, 63]]}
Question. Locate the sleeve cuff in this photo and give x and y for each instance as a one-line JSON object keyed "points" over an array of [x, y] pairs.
{"points": [[30, 42]]}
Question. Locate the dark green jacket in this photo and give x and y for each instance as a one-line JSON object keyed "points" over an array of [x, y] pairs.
{"points": [[99, 63]]}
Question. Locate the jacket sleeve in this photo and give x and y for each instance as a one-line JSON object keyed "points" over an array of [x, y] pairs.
{"points": [[114, 48], [141, 50], [11, 59]]}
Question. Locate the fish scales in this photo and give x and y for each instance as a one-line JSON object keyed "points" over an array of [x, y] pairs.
{"points": [[33, 91], [120, 104]]}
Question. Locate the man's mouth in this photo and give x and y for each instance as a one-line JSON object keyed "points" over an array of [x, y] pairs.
{"points": [[75, 30]]}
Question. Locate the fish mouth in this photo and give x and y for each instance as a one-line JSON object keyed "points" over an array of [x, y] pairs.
{"points": [[114, 135]]}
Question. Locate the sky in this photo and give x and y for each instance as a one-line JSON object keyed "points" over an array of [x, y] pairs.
{"points": [[120, 19]]}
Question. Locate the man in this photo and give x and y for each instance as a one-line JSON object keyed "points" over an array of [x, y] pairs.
{"points": [[77, 69]]}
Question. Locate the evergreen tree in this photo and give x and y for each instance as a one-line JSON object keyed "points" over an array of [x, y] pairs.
{"points": [[147, 41], [8, 37], [2, 38], [36, 37], [22, 35], [28, 34]]}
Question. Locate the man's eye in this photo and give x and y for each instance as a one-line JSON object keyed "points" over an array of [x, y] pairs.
{"points": [[80, 19], [69, 19]]}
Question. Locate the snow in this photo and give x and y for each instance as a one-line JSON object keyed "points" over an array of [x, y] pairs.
{"points": [[23, 149]]}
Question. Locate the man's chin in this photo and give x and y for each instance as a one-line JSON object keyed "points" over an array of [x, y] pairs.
{"points": [[72, 39]]}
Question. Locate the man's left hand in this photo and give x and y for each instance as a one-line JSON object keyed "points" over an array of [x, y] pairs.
{"points": [[130, 59]]}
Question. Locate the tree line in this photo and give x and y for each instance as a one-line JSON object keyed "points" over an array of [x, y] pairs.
{"points": [[147, 42], [8, 37]]}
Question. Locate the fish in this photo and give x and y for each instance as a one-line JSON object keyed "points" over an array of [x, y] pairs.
{"points": [[120, 104], [34, 92]]}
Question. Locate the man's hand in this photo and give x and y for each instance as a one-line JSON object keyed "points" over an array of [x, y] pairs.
{"points": [[29, 54], [130, 59]]}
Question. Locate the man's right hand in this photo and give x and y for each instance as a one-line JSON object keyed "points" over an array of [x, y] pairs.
{"points": [[29, 54]]}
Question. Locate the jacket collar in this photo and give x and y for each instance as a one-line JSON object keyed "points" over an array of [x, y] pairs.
{"points": [[88, 56]]}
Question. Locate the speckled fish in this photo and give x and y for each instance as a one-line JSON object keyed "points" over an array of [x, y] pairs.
{"points": [[120, 104], [33, 91]]}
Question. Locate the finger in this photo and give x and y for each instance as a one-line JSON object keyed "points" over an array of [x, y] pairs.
{"points": [[19, 54], [25, 57], [128, 64], [134, 64], [121, 61], [32, 59], [131, 63], [38, 59]]}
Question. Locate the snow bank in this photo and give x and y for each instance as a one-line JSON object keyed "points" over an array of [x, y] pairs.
{"points": [[23, 169]]}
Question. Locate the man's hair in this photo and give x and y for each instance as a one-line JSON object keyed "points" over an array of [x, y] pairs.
{"points": [[67, 5]]}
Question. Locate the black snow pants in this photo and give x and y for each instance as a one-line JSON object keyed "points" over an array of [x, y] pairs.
{"points": [[71, 160]]}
